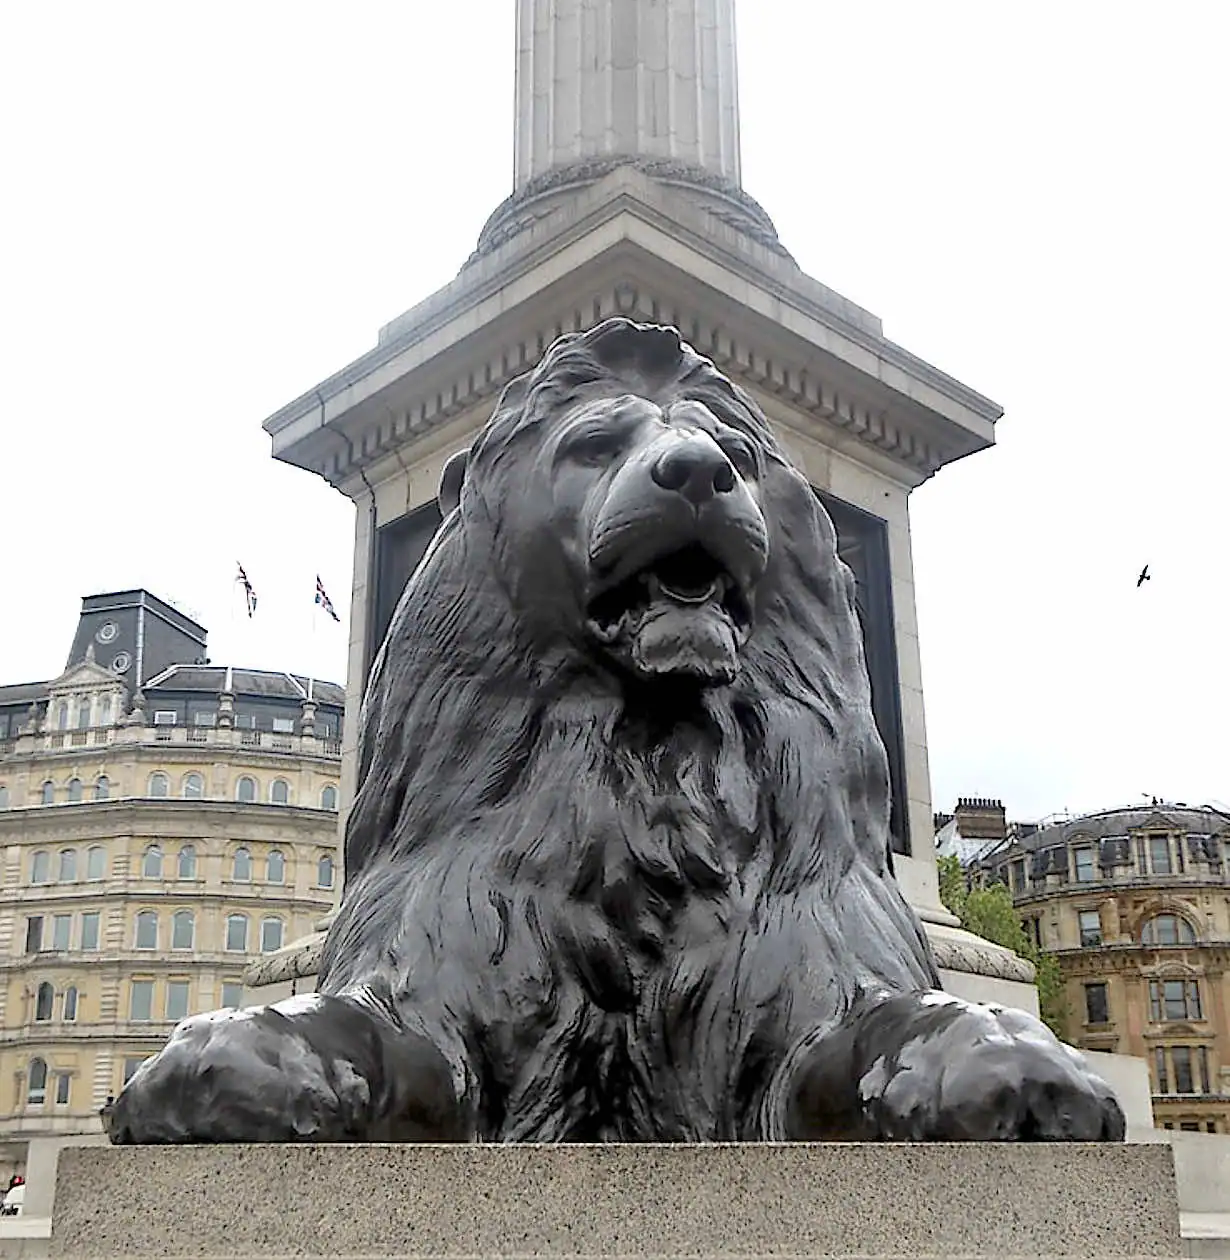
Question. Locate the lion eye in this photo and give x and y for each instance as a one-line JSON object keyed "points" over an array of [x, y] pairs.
{"points": [[596, 446], [741, 455]]}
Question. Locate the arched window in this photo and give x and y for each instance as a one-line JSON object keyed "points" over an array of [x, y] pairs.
{"points": [[187, 862], [68, 865], [182, 926], [279, 792], [194, 786], [102, 788], [242, 869], [36, 1083], [275, 868], [1167, 929], [96, 862], [151, 863], [83, 712], [44, 1001], [49, 793], [271, 935], [40, 867], [104, 711], [70, 1003], [237, 933], [324, 872], [4, 797], [147, 930], [159, 784], [328, 797], [245, 789], [74, 790], [62, 715]]}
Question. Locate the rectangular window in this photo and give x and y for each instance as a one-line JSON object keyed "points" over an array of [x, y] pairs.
{"points": [[1181, 1062], [1083, 860], [62, 932], [63, 1085], [204, 719], [1033, 929], [1188, 1126], [141, 1000], [130, 1068], [1174, 1000], [164, 717], [1097, 1009], [1159, 1070], [89, 929], [1090, 928], [284, 726], [177, 1000], [1159, 855], [1202, 1062], [1018, 876], [232, 993], [34, 934]]}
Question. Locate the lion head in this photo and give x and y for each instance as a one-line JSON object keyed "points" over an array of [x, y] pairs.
{"points": [[633, 525], [626, 550]]}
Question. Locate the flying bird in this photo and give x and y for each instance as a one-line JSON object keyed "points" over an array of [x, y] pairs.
{"points": [[1145, 576]]}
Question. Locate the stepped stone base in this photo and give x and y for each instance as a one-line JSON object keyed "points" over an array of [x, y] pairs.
{"points": [[588, 1201]]}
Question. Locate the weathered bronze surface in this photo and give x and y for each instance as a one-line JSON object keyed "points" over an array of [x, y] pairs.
{"points": [[618, 868]]}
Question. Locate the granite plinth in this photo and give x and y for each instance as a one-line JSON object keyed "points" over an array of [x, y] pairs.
{"points": [[570, 1201]]}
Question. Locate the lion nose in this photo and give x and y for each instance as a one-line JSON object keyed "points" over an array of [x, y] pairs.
{"points": [[695, 468]]}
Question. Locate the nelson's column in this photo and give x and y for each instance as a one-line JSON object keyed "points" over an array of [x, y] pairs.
{"points": [[627, 200]]}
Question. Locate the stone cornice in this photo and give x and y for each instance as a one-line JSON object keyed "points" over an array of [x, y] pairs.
{"points": [[343, 424]]}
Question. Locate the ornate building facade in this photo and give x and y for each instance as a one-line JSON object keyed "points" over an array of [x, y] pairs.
{"points": [[1135, 905], [158, 832]]}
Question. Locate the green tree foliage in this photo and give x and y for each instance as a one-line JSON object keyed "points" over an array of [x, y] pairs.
{"points": [[989, 913]]}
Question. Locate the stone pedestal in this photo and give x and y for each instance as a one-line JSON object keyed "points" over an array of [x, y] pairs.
{"points": [[752, 1200]]}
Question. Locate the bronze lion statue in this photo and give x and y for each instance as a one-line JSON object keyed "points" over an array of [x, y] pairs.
{"points": [[618, 866]]}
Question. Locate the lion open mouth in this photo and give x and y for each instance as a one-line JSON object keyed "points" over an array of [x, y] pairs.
{"points": [[682, 614]]}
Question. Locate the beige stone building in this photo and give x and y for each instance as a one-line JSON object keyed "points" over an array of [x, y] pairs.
{"points": [[1135, 905], [154, 840]]}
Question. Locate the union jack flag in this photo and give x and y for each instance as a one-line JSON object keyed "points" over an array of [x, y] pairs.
{"points": [[322, 598], [248, 593]]}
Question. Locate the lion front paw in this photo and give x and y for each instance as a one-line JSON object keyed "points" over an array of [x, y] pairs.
{"points": [[240, 1076], [931, 1067]]}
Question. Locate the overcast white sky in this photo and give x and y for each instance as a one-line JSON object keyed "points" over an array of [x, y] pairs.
{"points": [[207, 208]]}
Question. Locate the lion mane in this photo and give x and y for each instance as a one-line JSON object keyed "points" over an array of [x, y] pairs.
{"points": [[618, 910]]}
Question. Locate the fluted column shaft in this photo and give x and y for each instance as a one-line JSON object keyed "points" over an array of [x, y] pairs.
{"points": [[653, 78]]}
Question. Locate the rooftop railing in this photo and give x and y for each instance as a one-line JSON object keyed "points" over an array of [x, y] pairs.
{"points": [[285, 742]]}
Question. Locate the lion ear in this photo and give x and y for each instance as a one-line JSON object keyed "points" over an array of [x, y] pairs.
{"points": [[451, 480]]}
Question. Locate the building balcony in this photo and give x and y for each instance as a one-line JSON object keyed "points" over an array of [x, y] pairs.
{"points": [[1198, 876], [72, 742], [134, 960], [54, 1032], [50, 1120]]}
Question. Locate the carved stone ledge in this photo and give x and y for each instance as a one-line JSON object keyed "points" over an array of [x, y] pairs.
{"points": [[292, 962], [958, 950], [954, 949]]}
